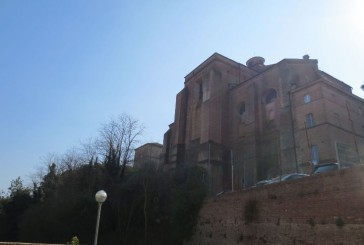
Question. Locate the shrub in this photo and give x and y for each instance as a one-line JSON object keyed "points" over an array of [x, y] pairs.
{"points": [[74, 241]]}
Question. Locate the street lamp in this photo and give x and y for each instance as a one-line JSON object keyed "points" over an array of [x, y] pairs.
{"points": [[100, 198]]}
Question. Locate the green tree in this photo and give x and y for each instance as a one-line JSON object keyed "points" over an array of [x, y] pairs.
{"points": [[162, 206], [12, 209], [144, 206], [188, 195]]}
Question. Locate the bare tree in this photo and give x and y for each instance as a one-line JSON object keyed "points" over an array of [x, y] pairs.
{"points": [[117, 142], [70, 160], [88, 151]]}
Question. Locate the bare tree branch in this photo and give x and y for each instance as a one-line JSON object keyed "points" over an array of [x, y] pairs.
{"points": [[117, 142]]}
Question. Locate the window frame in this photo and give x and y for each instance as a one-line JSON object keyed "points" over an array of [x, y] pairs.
{"points": [[270, 94], [241, 108], [309, 120], [315, 154], [307, 98]]}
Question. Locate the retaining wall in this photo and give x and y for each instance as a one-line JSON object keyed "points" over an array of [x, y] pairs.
{"points": [[321, 209]]}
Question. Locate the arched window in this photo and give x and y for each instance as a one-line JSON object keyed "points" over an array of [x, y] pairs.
{"points": [[270, 96]]}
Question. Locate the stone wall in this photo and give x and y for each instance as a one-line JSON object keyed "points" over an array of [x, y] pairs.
{"points": [[321, 209]]}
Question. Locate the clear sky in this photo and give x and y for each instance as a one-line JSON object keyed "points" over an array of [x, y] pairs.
{"points": [[66, 66]]}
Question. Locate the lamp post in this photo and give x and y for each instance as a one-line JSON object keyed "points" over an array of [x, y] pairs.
{"points": [[100, 198]]}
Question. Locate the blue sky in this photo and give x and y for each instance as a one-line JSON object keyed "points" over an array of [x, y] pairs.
{"points": [[66, 66]]}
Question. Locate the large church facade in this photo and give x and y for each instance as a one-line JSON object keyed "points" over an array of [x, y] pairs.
{"points": [[245, 123]]}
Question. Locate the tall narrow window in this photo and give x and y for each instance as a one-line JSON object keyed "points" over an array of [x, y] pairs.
{"points": [[310, 122], [307, 98], [269, 100], [200, 91], [314, 154], [241, 108]]}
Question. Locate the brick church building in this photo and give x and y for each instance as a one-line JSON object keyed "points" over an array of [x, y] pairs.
{"points": [[245, 123]]}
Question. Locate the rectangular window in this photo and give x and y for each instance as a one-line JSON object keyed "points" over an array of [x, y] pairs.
{"points": [[314, 154], [310, 122], [307, 98]]}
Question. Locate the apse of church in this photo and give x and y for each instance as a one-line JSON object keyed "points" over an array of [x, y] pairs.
{"points": [[245, 123]]}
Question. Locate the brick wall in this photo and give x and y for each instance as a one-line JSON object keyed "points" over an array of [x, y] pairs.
{"points": [[321, 209]]}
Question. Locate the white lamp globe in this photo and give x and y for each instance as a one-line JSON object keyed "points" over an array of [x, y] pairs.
{"points": [[100, 196]]}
